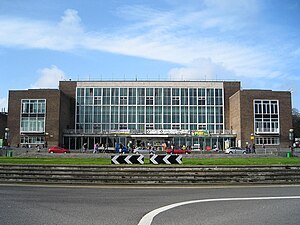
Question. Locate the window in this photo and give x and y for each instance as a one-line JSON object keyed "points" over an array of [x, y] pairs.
{"points": [[158, 96], [193, 96], [115, 96], [141, 96], [149, 114], [33, 115], [167, 96], [132, 96], [210, 96], [184, 96], [175, 96], [266, 117], [175, 114]]}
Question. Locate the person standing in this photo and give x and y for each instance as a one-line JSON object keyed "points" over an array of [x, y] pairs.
{"points": [[84, 147], [253, 149], [96, 146]]}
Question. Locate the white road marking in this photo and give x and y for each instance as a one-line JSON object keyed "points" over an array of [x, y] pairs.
{"points": [[148, 218]]}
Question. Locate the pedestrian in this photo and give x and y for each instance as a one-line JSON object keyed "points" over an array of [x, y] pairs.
{"points": [[264, 148], [172, 147], [84, 147], [130, 146], [117, 148], [96, 146], [253, 149]]}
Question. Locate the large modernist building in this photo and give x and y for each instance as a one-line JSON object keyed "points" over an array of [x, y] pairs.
{"points": [[205, 114]]}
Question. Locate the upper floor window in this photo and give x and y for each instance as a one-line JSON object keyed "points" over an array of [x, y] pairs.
{"points": [[33, 106]]}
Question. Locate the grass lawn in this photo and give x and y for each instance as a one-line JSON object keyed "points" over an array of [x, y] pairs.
{"points": [[186, 161]]}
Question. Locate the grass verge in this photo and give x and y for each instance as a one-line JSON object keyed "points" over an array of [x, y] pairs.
{"points": [[186, 161]]}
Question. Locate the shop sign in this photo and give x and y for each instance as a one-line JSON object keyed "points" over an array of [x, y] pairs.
{"points": [[200, 133], [168, 131], [120, 131]]}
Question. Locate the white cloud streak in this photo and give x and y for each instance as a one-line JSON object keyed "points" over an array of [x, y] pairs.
{"points": [[190, 40]]}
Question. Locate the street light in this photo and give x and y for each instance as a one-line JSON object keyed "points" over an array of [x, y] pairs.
{"points": [[291, 135], [45, 142], [291, 138], [6, 136]]}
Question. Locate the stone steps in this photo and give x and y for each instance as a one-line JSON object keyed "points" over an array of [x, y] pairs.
{"points": [[175, 175]]}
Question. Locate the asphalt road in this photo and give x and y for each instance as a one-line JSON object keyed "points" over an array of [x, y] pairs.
{"points": [[44, 205]]}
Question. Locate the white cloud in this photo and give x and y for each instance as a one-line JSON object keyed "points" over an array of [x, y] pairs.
{"points": [[36, 34], [200, 69], [161, 35], [49, 78]]}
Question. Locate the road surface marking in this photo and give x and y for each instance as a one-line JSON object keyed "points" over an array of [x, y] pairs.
{"points": [[148, 218]]}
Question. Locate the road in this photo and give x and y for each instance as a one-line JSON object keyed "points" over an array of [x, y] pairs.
{"points": [[123, 205]]}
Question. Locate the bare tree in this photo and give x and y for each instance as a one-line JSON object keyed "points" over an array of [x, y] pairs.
{"points": [[296, 122]]}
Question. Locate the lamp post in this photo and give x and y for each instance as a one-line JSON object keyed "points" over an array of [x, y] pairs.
{"points": [[6, 136], [291, 138], [252, 143], [45, 142]]}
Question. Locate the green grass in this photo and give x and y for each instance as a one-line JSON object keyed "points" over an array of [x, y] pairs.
{"points": [[71, 161], [186, 161]]}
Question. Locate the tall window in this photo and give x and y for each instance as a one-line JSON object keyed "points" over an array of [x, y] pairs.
{"points": [[33, 114], [266, 116]]}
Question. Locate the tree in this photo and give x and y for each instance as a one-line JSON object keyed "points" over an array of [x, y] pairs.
{"points": [[296, 122]]}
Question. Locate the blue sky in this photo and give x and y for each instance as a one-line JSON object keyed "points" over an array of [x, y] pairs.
{"points": [[256, 42]]}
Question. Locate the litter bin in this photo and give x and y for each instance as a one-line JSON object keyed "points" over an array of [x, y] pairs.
{"points": [[288, 154], [9, 153]]}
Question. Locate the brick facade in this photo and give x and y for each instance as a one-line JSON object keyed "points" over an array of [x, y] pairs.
{"points": [[61, 106], [242, 113], [57, 114]]}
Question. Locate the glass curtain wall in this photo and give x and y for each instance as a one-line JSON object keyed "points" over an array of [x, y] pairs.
{"points": [[102, 109]]}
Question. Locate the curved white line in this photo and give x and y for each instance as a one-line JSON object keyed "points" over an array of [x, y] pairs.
{"points": [[148, 218]]}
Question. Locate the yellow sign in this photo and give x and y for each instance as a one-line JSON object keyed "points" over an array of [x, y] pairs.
{"points": [[200, 133]]}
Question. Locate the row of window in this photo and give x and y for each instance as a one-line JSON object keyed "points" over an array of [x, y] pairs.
{"points": [[32, 124], [33, 106], [266, 107], [149, 96], [28, 141], [142, 114], [267, 140]]}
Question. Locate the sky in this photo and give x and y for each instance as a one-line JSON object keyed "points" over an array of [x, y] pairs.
{"points": [[256, 42]]}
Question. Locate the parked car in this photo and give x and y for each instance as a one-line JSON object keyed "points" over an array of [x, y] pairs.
{"points": [[235, 150], [141, 150], [57, 149], [179, 151]]}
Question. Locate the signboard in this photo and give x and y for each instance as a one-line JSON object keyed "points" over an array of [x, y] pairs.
{"points": [[120, 131], [200, 133], [1, 143], [168, 131]]}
